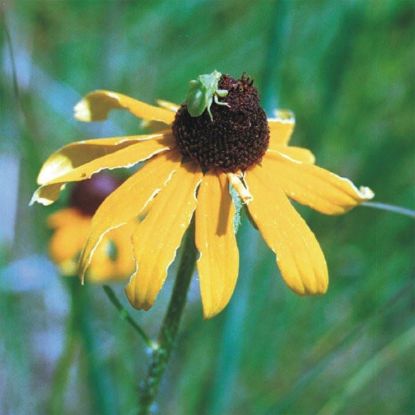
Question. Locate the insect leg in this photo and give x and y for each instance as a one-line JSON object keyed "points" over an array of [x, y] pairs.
{"points": [[225, 104], [208, 110]]}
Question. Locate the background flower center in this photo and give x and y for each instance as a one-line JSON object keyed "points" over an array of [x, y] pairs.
{"points": [[89, 194]]}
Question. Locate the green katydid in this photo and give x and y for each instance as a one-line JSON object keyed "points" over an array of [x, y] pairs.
{"points": [[202, 92]]}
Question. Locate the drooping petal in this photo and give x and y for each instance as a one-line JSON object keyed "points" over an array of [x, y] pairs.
{"points": [[299, 256], [72, 167], [158, 236], [215, 239], [281, 128], [129, 200], [97, 104], [300, 154], [313, 186]]}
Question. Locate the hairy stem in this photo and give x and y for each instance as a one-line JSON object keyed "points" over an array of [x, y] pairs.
{"points": [[168, 331]]}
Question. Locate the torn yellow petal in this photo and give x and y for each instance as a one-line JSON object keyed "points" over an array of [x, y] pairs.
{"points": [[129, 200], [123, 262], [113, 257], [236, 182], [299, 256], [215, 240], [300, 154], [46, 195], [313, 186], [124, 157], [102, 267], [281, 127], [158, 236], [81, 152], [96, 105]]}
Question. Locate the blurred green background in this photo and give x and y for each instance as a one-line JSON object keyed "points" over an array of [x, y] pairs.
{"points": [[346, 68]]}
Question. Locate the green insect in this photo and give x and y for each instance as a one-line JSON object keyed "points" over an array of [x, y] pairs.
{"points": [[202, 92]]}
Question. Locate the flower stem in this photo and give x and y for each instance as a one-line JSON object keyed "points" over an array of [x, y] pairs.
{"points": [[168, 331], [390, 208], [125, 315]]}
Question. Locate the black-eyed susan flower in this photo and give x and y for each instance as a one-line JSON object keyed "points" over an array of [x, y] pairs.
{"points": [[71, 227], [191, 163]]}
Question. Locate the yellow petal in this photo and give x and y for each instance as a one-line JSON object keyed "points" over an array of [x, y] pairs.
{"points": [[77, 167], [81, 152], [215, 239], [129, 200], [113, 258], [281, 128], [313, 186], [299, 256], [171, 106], [68, 238], [156, 125], [124, 263], [71, 230], [96, 105], [46, 195], [102, 267], [300, 154], [62, 217], [158, 236]]}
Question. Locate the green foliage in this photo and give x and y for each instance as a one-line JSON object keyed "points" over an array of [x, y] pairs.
{"points": [[345, 68]]}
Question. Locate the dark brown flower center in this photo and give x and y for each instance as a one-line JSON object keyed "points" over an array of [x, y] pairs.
{"points": [[87, 195], [237, 137]]}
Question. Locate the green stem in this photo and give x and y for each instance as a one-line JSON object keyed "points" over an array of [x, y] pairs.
{"points": [[125, 315], [168, 331], [390, 208]]}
